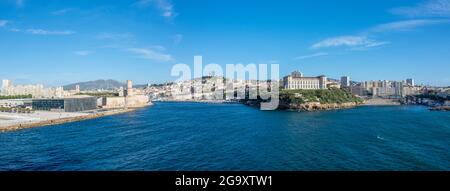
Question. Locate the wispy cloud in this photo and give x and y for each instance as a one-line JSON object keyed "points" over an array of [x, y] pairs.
{"points": [[83, 53], [61, 11], [151, 54], [370, 46], [164, 6], [438, 9], [177, 38], [319, 54], [3, 23], [47, 32], [407, 25], [376, 44], [347, 41], [429, 8]]}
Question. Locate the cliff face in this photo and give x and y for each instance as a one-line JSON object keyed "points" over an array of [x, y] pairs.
{"points": [[316, 106]]}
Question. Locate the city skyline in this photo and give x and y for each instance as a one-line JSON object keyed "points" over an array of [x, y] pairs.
{"points": [[73, 41]]}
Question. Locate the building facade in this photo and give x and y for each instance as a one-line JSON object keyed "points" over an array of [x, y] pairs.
{"points": [[37, 91], [70, 104], [128, 98], [410, 82], [385, 89], [297, 81], [6, 84], [11, 103], [345, 81]]}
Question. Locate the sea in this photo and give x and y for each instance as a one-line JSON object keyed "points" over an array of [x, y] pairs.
{"points": [[201, 136]]}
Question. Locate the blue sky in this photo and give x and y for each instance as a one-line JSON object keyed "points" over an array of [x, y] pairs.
{"points": [[56, 42]]}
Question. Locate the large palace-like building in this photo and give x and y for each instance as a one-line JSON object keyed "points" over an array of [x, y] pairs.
{"points": [[297, 81]]}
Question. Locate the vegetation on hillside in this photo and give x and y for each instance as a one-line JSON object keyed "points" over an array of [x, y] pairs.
{"points": [[16, 97], [325, 96]]}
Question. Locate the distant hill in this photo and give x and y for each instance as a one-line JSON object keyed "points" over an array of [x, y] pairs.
{"points": [[97, 84]]}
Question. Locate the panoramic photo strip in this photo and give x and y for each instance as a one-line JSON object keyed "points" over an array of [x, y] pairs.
{"points": [[224, 94]]}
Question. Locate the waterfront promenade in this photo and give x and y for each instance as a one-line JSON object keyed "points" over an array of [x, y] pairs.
{"points": [[16, 121]]}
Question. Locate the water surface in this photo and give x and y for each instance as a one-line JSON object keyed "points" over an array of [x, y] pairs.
{"points": [[193, 136]]}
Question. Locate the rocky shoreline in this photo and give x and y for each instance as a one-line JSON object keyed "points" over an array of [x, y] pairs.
{"points": [[201, 101], [317, 106], [308, 107], [441, 108]]}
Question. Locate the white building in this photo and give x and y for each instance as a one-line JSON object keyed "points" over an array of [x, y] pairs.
{"points": [[77, 89], [386, 88], [37, 91], [410, 82], [10, 103], [6, 83], [297, 81], [345, 81]]}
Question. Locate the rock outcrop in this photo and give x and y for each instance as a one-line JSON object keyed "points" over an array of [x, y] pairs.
{"points": [[317, 106], [309, 106]]}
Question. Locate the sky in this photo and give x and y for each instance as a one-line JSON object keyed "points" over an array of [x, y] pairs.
{"points": [[57, 42]]}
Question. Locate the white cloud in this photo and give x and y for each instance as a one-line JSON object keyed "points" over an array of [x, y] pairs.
{"points": [[46, 32], [61, 11], [150, 54], [3, 23], [429, 8], [319, 54], [376, 44], [177, 38], [362, 42], [407, 25], [83, 53], [369, 46], [438, 9], [347, 41], [164, 6]]}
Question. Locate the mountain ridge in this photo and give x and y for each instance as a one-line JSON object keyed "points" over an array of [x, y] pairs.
{"points": [[108, 84]]}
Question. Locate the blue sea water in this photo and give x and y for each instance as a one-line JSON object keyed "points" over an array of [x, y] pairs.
{"points": [[194, 136]]}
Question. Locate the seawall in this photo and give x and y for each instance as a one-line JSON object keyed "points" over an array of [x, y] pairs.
{"points": [[25, 125]]}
